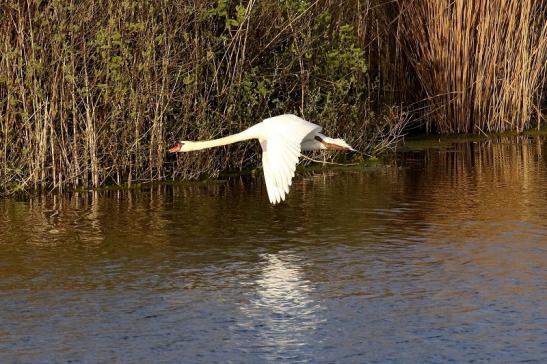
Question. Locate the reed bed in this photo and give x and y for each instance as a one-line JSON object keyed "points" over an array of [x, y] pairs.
{"points": [[93, 92], [481, 64]]}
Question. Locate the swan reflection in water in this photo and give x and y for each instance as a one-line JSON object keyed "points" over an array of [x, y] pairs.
{"points": [[282, 311]]}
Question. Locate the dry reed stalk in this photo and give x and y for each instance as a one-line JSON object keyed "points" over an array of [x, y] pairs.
{"points": [[481, 63]]}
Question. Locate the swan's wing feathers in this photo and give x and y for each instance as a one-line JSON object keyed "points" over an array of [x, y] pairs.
{"points": [[279, 160], [281, 141]]}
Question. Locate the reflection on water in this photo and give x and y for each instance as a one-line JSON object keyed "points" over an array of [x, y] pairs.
{"points": [[282, 305], [441, 256]]}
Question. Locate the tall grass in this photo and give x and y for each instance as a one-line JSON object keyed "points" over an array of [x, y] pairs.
{"points": [[92, 92], [481, 64]]}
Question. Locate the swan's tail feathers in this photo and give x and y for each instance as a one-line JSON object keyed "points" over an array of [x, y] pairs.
{"points": [[334, 144]]}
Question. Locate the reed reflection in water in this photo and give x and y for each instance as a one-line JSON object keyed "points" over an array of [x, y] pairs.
{"points": [[442, 256]]}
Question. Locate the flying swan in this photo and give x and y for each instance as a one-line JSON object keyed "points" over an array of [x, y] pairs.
{"points": [[282, 139]]}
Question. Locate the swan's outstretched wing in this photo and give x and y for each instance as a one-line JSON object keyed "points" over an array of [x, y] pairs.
{"points": [[281, 151], [279, 160]]}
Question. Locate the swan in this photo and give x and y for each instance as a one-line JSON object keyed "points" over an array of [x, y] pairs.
{"points": [[282, 139]]}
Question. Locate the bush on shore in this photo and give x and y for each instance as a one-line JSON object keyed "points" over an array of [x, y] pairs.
{"points": [[92, 92]]}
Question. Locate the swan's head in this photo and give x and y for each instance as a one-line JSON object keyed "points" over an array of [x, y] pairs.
{"points": [[182, 146]]}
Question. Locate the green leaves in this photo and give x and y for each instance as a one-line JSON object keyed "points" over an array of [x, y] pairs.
{"points": [[222, 11], [345, 56], [119, 79]]}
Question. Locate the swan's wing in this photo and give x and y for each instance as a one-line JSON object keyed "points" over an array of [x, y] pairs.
{"points": [[281, 148], [279, 160], [281, 138]]}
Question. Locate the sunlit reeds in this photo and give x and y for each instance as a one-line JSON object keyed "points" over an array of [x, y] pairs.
{"points": [[92, 92], [480, 63]]}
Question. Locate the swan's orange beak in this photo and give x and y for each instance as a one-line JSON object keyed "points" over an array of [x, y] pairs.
{"points": [[175, 148]]}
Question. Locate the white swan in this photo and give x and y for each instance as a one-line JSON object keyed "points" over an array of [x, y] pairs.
{"points": [[282, 139]]}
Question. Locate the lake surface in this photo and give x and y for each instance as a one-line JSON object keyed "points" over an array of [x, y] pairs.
{"points": [[440, 257]]}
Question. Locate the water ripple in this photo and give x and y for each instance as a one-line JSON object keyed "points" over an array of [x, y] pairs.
{"points": [[441, 259]]}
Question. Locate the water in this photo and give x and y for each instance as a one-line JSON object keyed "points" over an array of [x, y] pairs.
{"points": [[440, 257]]}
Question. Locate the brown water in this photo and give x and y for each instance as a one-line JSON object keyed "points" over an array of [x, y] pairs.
{"points": [[441, 257]]}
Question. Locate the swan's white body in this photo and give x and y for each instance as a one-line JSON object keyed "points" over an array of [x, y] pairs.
{"points": [[282, 139]]}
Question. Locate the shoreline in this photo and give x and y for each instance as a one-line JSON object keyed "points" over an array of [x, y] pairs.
{"points": [[357, 162]]}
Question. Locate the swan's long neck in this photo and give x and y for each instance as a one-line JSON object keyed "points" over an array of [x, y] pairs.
{"points": [[230, 139]]}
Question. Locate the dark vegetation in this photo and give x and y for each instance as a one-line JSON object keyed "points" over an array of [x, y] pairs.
{"points": [[93, 92]]}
